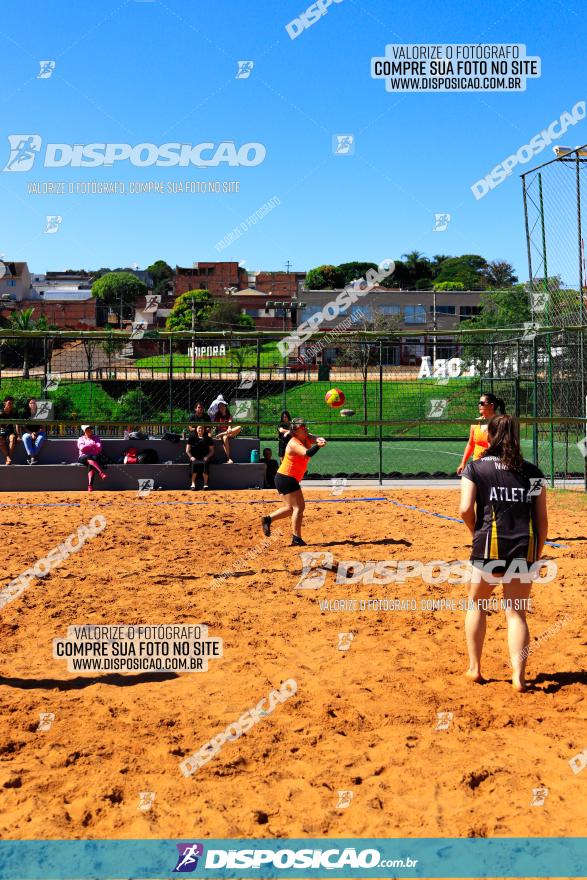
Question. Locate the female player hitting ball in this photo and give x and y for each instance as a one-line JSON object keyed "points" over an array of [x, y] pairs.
{"points": [[489, 406], [298, 452]]}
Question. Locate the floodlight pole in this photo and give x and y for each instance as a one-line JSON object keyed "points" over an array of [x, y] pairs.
{"points": [[548, 336], [581, 303]]}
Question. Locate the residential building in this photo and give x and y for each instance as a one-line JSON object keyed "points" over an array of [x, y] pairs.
{"points": [[250, 289], [420, 311], [15, 283]]}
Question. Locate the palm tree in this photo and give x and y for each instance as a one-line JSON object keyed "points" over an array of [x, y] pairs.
{"points": [[413, 258], [23, 321], [418, 266]]}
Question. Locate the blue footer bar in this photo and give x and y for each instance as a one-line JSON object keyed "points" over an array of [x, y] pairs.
{"points": [[304, 858]]}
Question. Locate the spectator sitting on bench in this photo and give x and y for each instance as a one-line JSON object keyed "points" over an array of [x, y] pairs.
{"points": [[200, 415], [220, 415], [34, 435], [33, 438], [8, 433], [270, 468], [90, 447], [200, 450]]}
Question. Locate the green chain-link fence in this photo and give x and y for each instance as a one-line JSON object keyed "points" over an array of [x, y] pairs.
{"points": [[410, 417]]}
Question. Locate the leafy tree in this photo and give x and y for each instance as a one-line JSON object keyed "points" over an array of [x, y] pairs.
{"points": [[90, 345], [133, 406], [449, 285], [226, 315], [162, 275], [23, 321], [501, 308], [198, 303], [63, 403], [324, 278], [354, 271], [418, 267], [112, 345], [119, 289], [499, 273], [399, 278], [437, 261], [467, 269]]}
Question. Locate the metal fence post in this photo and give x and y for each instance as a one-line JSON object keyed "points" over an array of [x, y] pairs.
{"points": [[170, 382], [517, 380], [535, 407], [380, 412], [550, 413], [258, 386]]}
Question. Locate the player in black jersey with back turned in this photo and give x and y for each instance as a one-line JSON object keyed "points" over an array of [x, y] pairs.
{"points": [[503, 504]]}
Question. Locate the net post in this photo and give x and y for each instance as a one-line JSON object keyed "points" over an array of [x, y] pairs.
{"points": [[585, 456]]}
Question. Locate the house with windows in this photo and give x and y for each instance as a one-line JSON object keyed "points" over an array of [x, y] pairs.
{"points": [[420, 311], [250, 290], [15, 282]]}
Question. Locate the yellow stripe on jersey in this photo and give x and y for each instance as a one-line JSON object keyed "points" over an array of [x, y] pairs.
{"points": [[531, 542], [494, 548]]}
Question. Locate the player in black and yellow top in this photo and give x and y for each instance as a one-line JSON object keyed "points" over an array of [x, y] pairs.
{"points": [[503, 504]]}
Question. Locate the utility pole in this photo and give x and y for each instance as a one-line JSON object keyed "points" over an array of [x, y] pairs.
{"points": [[288, 266]]}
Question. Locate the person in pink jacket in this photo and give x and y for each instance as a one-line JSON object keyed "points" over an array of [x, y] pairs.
{"points": [[90, 447]]}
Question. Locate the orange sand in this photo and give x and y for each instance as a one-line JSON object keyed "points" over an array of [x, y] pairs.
{"points": [[363, 720]]}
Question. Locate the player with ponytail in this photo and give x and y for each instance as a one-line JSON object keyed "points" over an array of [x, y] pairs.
{"points": [[489, 406]]}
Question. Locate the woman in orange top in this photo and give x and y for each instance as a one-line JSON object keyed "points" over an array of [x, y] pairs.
{"points": [[301, 447], [490, 406]]}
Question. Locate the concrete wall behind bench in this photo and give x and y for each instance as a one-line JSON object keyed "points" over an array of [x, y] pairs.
{"points": [[58, 450], [125, 477]]}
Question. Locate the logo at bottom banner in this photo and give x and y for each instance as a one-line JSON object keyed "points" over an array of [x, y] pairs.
{"points": [[187, 860], [329, 859]]}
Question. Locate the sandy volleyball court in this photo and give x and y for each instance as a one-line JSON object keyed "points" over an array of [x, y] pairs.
{"points": [[363, 720]]}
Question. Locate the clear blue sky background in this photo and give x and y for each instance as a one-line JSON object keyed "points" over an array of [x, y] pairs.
{"points": [[165, 71]]}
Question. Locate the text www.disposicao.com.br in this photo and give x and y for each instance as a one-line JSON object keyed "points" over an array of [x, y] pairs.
{"points": [[135, 664]]}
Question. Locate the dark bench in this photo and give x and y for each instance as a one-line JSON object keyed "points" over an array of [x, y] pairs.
{"points": [[58, 469]]}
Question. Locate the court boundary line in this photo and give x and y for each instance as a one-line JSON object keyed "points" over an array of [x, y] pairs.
{"points": [[454, 518]]}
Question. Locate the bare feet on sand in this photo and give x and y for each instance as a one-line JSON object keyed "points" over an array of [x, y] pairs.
{"points": [[518, 684], [474, 675]]}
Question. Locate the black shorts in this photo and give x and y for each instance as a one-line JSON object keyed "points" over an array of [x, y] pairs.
{"points": [[200, 467], [500, 570], [285, 484]]}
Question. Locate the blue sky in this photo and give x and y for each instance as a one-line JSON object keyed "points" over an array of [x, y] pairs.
{"points": [[155, 72]]}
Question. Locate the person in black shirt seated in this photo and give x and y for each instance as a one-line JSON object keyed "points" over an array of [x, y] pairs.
{"points": [[200, 450], [283, 432], [503, 504], [270, 468], [8, 433], [200, 415]]}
